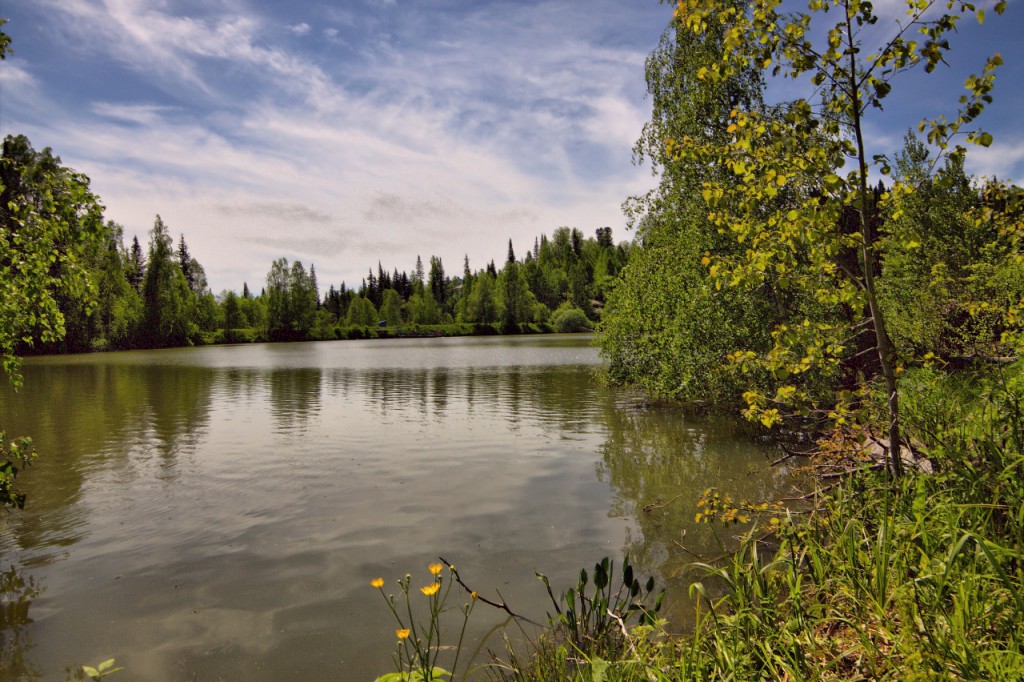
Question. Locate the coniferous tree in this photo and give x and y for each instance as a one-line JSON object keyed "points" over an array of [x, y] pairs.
{"points": [[418, 274], [136, 269], [332, 301], [577, 242], [185, 263], [314, 284], [437, 281], [372, 289]]}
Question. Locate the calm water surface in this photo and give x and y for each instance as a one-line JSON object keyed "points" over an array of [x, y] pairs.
{"points": [[218, 513]]}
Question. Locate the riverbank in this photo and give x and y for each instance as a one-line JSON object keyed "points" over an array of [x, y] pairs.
{"points": [[917, 578], [344, 333]]}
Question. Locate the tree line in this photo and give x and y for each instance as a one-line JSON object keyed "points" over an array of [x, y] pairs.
{"points": [[157, 295]]}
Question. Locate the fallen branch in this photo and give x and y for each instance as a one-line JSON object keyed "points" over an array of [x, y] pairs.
{"points": [[476, 595], [647, 509]]}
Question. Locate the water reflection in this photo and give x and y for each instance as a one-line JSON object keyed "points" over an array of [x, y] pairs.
{"points": [[223, 509], [87, 417], [294, 396], [659, 461], [16, 594]]}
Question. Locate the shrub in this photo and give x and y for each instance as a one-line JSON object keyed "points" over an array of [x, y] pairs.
{"points": [[569, 319]]}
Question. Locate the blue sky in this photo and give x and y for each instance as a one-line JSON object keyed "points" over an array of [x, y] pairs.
{"points": [[343, 133]]}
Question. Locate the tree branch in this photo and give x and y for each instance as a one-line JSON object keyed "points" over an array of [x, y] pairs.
{"points": [[476, 595]]}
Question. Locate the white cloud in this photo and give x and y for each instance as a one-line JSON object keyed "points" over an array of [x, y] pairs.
{"points": [[142, 114], [433, 146], [1004, 159], [14, 75], [300, 29]]}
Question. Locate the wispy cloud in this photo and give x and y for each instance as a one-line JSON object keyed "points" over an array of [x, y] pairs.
{"points": [[142, 114], [14, 75], [283, 212]]}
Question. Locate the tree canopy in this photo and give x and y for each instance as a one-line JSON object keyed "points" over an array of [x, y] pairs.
{"points": [[768, 219]]}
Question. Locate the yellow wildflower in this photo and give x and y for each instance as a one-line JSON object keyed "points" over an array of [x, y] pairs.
{"points": [[402, 633], [435, 568], [430, 589], [474, 595], [377, 582]]}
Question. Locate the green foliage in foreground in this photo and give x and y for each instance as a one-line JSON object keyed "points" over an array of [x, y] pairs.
{"points": [[921, 578], [14, 457]]}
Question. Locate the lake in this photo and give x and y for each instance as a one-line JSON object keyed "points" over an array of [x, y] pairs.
{"points": [[219, 513]]}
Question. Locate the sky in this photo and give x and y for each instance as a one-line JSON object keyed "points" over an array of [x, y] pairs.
{"points": [[353, 132]]}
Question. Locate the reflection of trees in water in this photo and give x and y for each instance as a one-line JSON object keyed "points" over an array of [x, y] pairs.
{"points": [[659, 461], [16, 595], [294, 396], [82, 416], [425, 392], [178, 408], [551, 396]]}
